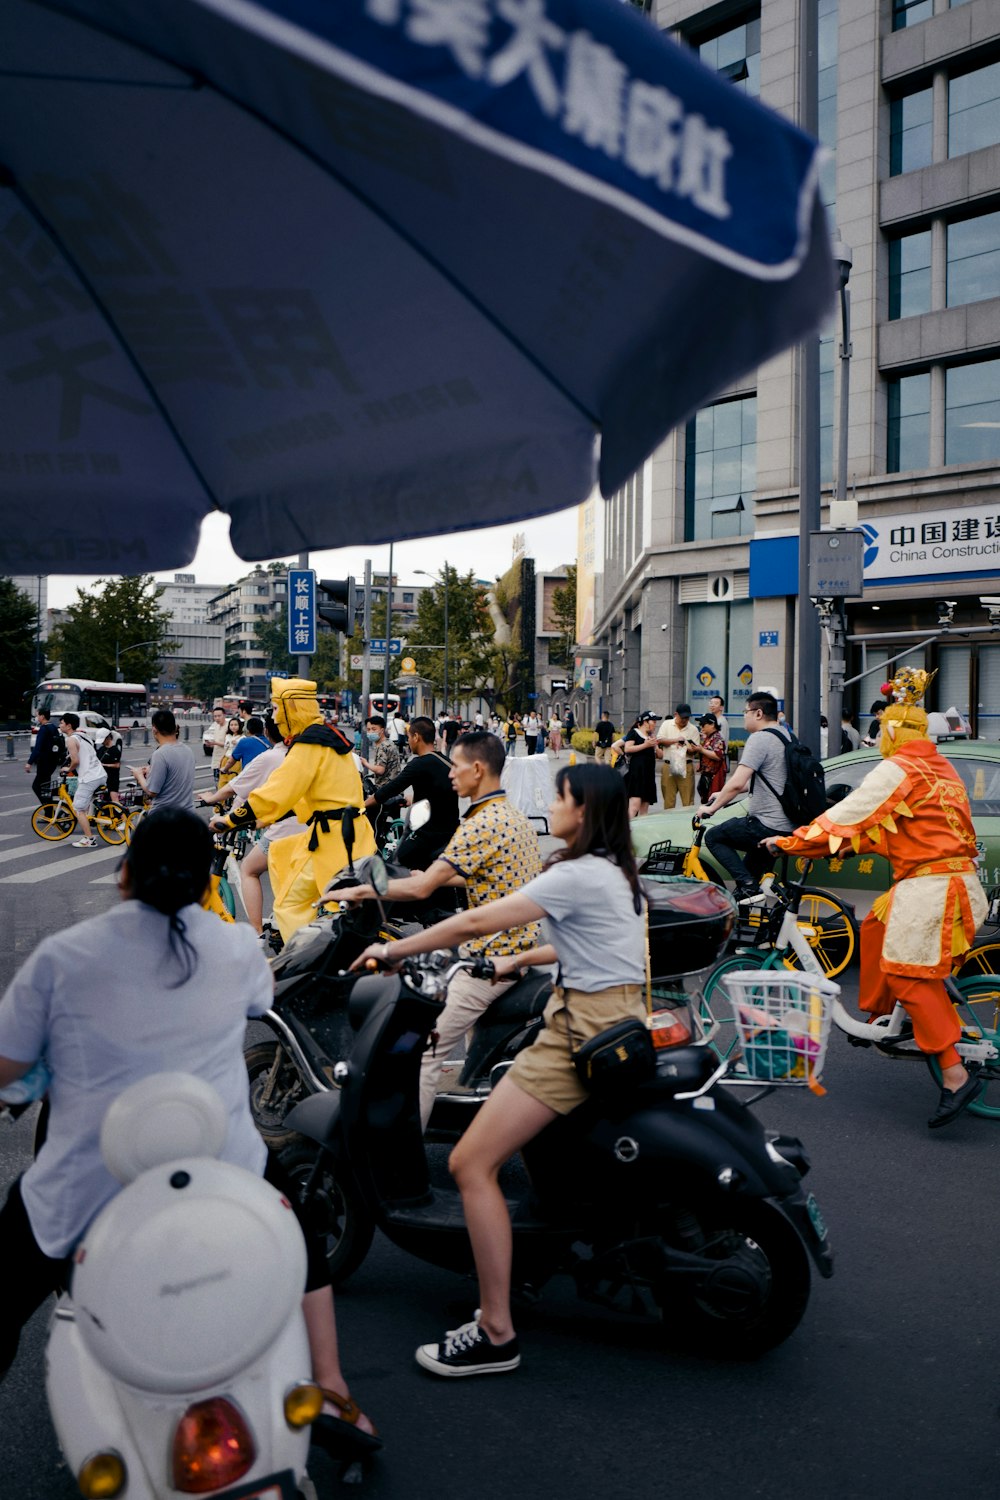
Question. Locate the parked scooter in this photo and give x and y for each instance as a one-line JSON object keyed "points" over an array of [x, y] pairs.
{"points": [[672, 1200], [180, 1362]]}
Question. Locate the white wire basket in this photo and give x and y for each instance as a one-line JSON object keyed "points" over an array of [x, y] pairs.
{"points": [[783, 1023]]}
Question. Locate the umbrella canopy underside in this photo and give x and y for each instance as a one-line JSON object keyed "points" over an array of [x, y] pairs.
{"points": [[241, 268]]}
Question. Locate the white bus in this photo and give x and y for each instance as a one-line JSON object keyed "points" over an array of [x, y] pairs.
{"points": [[119, 703]]}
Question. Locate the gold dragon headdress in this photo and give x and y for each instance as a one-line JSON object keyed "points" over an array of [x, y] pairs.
{"points": [[904, 719]]}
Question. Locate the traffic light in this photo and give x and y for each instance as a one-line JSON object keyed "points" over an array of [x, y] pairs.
{"points": [[335, 603]]}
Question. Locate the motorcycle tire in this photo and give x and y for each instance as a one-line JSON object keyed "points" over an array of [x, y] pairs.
{"points": [[758, 1298], [336, 1212], [269, 1118]]}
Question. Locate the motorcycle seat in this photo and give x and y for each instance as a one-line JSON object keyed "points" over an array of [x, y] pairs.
{"points": [[522, 1002], [680, 1070]]}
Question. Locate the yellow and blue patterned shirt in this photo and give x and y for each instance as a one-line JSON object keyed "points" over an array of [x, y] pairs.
{"points": [[495, 850]]}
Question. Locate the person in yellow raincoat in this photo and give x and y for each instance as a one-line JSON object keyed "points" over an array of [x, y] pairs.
{"points": [[913, 809], [318, 780]]}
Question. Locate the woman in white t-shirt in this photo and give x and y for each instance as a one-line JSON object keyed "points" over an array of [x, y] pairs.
{"points": [[140, 989], [590, 902]]}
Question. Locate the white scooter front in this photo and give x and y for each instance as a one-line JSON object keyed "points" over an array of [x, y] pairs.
{"points": [[179, 1363]]}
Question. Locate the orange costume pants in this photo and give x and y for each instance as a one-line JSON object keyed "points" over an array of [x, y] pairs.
{"points": [[926, 1002]]}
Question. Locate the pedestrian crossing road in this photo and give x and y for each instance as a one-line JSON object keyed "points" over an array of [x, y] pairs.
{"points": [[25, 859]]}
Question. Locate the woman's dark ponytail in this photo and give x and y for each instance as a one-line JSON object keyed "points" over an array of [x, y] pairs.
{"points": [[170, 859]]}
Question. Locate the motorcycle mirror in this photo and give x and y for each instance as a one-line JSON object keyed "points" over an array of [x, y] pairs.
{"points": [[420, 813], [379, 875]]}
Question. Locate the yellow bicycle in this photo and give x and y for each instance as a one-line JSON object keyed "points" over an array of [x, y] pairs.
{"points": [[827, 923], [56, 819]]}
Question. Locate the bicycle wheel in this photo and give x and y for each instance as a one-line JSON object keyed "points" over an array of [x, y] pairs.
{"points": [[132, 821], [834, 939], [109, 820], [53, 820], [983, 959], [979, 1016], [714, 1006]]}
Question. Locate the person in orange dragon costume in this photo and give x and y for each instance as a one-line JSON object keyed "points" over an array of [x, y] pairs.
{"points": [[912, 809]]}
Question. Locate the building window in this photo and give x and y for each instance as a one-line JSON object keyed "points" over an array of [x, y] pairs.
{"points": [[910, 275], [407, 598], [910, 132], [828, 345], [911, 13], [972, 413], [974, 259], [735, 53], [974, 110], [828, 39], [720, 470], [909, 423]]}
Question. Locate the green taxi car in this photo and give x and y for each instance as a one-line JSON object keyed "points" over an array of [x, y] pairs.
{"points": [[858, 879]]}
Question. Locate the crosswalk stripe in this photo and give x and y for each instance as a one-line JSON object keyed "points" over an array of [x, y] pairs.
{"points": [[25, 807], [48, 871], [5, 836], [35, 847]]}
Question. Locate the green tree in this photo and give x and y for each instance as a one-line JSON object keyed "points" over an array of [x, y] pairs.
{"points": [[272, 641], [205, 681], [470, 636], [564, 617], [123, 614], [18, 665]]}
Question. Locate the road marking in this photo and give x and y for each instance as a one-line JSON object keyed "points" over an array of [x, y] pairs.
{"points": [[80, 858], [5, 836], [34, 847], [25, 807]]}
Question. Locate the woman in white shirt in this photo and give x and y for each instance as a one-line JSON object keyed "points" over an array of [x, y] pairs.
{"points": [[166, 1001], [590, 902]]}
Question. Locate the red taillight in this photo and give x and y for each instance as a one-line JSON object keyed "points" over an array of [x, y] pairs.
{"points": [[212, 1447]]}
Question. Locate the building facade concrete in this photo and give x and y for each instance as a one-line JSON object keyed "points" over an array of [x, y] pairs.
{"points": [[698, 569]]}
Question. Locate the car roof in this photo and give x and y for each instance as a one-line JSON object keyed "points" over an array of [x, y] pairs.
{"points": [[950, 749]]}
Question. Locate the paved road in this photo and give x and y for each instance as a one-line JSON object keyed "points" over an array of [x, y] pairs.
{"points": [[889, 1384]]}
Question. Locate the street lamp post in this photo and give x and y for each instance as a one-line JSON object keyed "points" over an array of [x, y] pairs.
{"points": [[834, 622], [119, 674], [424, 574]]}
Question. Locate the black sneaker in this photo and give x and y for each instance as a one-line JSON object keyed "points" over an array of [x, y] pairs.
{"points": [[467, 1351]]}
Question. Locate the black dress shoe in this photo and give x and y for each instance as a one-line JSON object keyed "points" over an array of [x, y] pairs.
{"points": [[953, 1101]]}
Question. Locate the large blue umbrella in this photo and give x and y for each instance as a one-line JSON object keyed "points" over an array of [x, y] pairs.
{"points": [[369, 269]]}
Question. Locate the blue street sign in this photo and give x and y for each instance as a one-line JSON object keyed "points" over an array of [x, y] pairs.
{"points": [[767, 638], [301, 611], [377, 645]]}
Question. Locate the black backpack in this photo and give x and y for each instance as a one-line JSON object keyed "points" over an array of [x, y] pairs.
{"points": [[804, 794]]}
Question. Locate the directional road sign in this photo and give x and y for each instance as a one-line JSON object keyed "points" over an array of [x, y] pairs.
{"points": [[301, 611]]}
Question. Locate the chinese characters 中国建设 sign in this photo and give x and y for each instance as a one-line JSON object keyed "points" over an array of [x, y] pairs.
{"points": [[932, 544], [301, 611]]}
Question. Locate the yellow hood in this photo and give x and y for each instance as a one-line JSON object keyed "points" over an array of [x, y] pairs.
{"points": [[295, 705]]}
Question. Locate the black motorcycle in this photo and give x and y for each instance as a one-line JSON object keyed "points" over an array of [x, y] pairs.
{"points": [[671, 1200]]}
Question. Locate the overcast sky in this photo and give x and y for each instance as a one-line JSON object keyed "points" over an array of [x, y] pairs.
{"points": [[550, 541]]}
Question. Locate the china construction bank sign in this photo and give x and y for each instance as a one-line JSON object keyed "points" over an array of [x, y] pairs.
{"points": [[932, 545]]}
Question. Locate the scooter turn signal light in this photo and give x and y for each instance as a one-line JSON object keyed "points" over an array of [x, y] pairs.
{"points": [[213, 1447], [303, 1404], [102, 1476]]}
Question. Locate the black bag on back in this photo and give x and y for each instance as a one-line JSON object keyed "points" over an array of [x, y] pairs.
{"points": [[804, 794]]}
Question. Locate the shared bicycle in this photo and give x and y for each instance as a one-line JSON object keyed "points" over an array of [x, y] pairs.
{"points": [[55, 819]]}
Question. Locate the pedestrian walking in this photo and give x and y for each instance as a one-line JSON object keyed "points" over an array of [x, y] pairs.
{"points": [[680, 739], [642, 751], [555, 732], [604, 729], [46, 755], [215, 735], [531, 732]]}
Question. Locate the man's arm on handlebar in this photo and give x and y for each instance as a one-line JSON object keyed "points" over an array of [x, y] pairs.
{"points": [[415, 887], [481, 921], [733, 788]]}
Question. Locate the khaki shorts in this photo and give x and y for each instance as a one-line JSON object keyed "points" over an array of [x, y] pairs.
{"points": [[545, 1069]]}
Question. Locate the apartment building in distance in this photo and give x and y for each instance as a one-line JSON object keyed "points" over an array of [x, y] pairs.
{"points": [[697, 565]]}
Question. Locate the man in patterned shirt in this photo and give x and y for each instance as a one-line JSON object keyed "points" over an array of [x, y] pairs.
{"points": [[493, 852], [384, 762]]}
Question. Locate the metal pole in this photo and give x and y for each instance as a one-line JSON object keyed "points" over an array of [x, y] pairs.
{"points": [[388, 643], [446, 637], [366, 665], [303, 660], [808, 655], [836, 652]]}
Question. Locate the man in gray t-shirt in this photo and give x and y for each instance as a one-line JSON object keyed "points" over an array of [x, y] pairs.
{"points": [[169, 778], [762, 770]]}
